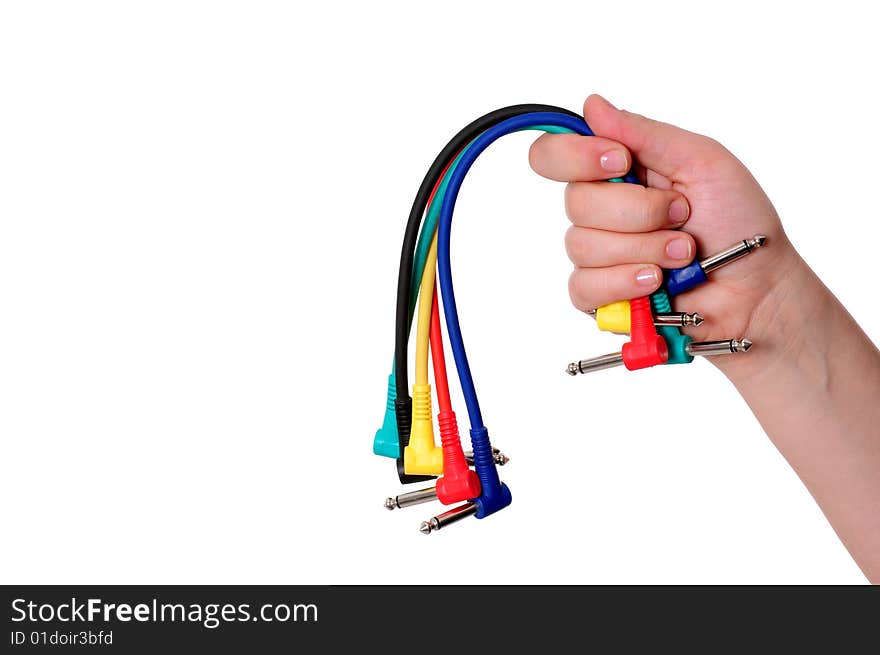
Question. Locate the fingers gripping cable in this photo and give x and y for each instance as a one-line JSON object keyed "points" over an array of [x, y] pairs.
{"points": [[407, 431]]}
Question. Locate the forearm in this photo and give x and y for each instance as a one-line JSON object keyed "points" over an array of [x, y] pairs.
{"points": [[813, 382]]}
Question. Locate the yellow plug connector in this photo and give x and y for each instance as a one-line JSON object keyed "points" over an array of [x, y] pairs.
{"points": [[614, 317], [422, 456]]}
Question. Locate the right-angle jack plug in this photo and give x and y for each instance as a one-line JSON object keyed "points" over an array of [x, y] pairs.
{"points": [[703, 348], [448, 518]]}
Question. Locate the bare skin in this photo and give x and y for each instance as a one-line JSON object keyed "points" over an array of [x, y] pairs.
{"points": [[821, 408]]}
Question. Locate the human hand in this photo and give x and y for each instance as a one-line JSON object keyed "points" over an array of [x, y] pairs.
{"points": [[622, 234], [813, 377]]}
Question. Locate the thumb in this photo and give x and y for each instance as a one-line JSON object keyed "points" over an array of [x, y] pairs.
{"points": [[658, 146]]}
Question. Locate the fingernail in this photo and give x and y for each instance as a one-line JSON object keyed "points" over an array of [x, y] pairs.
{"points": [[613, 161], [647, 277], [678, 211], [679, 249]]}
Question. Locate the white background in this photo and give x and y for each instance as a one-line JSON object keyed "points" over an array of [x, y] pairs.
{"points": [[201, 207]]}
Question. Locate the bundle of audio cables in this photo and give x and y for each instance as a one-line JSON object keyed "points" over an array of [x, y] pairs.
{"points": [[407, 432]]}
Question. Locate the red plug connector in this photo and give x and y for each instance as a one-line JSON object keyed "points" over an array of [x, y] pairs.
{"points": [[459, 482], [645, 347]]}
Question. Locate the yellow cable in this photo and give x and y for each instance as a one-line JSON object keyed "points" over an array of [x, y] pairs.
{"points": [[422, 456], [426, 299]]}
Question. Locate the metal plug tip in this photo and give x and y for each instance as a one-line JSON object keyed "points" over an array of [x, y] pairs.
{"points": [[425, 527], [697, 319], [595, 364], [759, 240], [712, 348], [591, 312], [497, 456], [390, 504]]}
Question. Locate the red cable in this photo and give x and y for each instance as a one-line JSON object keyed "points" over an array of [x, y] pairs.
{"points": [[440, 179], [458, 482], [441, 380], [437, 186]]}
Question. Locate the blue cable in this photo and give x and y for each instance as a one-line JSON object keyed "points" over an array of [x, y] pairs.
{"points": [[494, 494], [463, 165], [387, 442]]}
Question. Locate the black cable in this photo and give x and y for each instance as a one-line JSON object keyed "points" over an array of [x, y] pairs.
{"points": [[403, 404]]}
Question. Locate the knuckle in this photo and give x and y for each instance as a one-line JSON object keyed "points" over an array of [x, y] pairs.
{"points": [[643, 208], [611, 283], [653, 208], [578, 289], [573, 207], [575, 245], [573, 288], [536, 156], [647, 249]]}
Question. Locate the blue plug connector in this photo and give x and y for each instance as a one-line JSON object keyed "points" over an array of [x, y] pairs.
{"points": [[494, 494], [679, 280]]}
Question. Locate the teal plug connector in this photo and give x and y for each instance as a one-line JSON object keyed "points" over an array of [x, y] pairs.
{"points": [[676, 342], [386, 443]]}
